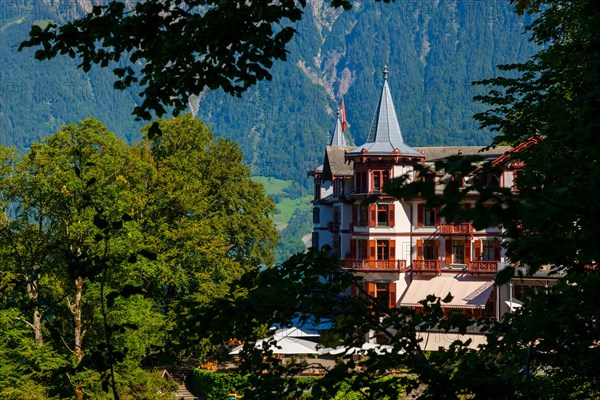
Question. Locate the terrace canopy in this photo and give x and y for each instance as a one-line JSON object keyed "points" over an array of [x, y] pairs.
{"points": [[283, 345], [467, 291]]}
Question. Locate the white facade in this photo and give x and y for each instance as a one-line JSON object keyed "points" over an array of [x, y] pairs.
{"points": [[389, 242]]}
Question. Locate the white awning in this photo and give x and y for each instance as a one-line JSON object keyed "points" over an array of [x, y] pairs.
{"points": [[467, 291], [363, 350], [286, 345], [514, 304], [294, 332], [432, 341]]}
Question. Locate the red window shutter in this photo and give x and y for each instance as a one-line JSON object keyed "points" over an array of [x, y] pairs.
{"points": [[354, 289], [420, 214], [373, 250], [391, 215], [477, 254], [392, 298], [467, 251], [496, 250], [353, 249], [372, 214], [437, 217], [392, 249], [372, 289], [437, 249], [419, 249], [448, 251]]}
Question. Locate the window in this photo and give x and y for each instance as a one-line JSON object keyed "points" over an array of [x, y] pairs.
{"points": [[379, 178], [336, 245], [429, 217], [317, 191], [316, 215], [490, 250], [315, 240], [382, 214], [383, 249], [458, 251], [515, 186], [338, 187], [490, 180], [384, 292], [363, 216], [336, 215], [430, 250], [361, 250], [361, 182]]}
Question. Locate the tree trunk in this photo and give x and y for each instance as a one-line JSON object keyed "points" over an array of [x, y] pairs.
{"points": [[33, 295], [78, 332], [37, 327]]}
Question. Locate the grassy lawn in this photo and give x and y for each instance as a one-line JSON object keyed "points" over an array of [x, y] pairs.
{"points": [[285, 205], [272, 185]]}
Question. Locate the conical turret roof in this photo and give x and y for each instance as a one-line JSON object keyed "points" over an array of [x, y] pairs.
{"points": [[338, 139], [385, 135]]}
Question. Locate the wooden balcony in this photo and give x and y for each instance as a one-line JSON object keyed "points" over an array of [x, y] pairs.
{"points": [[483, 266], [376, 265], [427, 266], [456, 229]]}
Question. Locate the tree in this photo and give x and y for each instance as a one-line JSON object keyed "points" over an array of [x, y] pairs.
{"points": [[67, 199], [208, 220], [105, 244], [549, 348]]}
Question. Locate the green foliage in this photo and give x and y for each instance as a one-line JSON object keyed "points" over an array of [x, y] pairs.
{"points": [[217, 386], [227, 45], [549, 348], [296, 290], [26, 371], [104, 245], [292, 236], [292, 219], [433, 50]]}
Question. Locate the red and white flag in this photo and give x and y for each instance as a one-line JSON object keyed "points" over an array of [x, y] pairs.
{"points": [[343, 116]]}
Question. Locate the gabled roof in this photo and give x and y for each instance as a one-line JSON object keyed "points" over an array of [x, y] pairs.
{"points": [[439, 153], [519, 148], [335, 163], [385, 135]]}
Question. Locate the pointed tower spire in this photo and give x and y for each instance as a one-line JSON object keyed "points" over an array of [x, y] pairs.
{"points": [[338, 139], [385, 135]]}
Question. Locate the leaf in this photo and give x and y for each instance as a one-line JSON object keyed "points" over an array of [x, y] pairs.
{"points": [[148, 254], [100, 222], [154, 130]]}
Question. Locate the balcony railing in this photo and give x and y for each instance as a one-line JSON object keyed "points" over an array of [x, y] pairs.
{"points": [[456, 229], [427, 265], [379, 265], [483, 266]]}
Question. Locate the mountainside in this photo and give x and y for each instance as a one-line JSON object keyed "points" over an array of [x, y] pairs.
{"points": [[433, 49]]}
